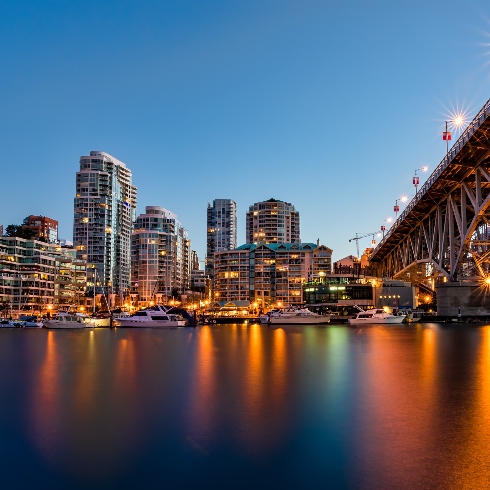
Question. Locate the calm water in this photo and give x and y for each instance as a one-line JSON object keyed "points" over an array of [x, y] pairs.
{"points": [[235, 406]]}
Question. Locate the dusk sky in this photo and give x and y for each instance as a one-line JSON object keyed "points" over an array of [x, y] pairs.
{"points": [[330, 106]]}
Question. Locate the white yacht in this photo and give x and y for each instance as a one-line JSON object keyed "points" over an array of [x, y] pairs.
{"points": [[374, 317], [67, 320], [293, 316], [104, 319], [153, 317]]}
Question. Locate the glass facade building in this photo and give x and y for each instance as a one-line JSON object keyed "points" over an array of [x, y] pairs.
{"points": [[221, 230], [104, 211]]}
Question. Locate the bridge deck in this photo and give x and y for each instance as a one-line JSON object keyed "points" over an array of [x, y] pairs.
{"points": [[471, 148]]}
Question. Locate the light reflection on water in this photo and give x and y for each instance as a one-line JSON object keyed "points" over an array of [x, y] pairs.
{"points": [[247, 405]]}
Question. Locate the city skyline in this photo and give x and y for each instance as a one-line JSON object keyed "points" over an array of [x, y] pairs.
{"points": [[307, 103]]}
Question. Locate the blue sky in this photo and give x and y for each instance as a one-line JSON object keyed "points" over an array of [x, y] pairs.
{"points": [[328, 105]]}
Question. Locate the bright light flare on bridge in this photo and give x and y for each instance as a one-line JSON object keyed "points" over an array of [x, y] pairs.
{"points": [[457, 119]]}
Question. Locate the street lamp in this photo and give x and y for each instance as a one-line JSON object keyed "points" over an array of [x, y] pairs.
{"points": [[415, 180], [383, 226], [455, 123]]}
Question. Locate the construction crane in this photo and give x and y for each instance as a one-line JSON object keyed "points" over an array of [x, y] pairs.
{"points": [[359, 236]]}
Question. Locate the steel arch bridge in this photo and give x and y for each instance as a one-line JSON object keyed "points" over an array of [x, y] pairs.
{"points": [[444, 232]]}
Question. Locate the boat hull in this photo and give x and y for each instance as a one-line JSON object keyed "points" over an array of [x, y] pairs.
{"points": [[396, 320], [126, 323], [98, 322], [295, 320], [64, 325], [233, 319], [298, 321]]}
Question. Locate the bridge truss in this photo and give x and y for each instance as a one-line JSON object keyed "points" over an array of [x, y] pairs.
{"points": [[444, 232]]}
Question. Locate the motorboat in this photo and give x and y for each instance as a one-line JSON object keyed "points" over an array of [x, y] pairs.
{"points": [[293, 316], [375, 317], [6, 323], [67, 320], [30, 321], [97, 321], [103, 319], [153, 317]]}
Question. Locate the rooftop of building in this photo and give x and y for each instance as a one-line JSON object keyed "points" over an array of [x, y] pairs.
{"points": [[271, 200], [97, 153], [281, 246]]}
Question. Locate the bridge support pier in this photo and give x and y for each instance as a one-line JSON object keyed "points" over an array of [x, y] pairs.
{"points": [[473, 298]]}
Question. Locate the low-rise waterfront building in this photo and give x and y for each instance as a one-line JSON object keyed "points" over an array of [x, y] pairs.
{"points": [[71, 281], [268, 274], [38, 277], [334, 291], [27, 275]]}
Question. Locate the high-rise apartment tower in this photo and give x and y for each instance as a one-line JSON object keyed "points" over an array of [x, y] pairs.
{"points": [[221, 230], [160, 256], [104, 211], [272, 221]]}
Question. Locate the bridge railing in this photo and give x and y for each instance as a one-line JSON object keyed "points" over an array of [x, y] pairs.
{"points": [[477, 121]]}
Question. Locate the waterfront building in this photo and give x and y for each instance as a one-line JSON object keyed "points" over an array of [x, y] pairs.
{"points": [[272, 221], [221, 230], [104, 212], [355, 266], [45, 229], [27, 276], [160, 257], [70, 281], [269, 274], [341, 290]]}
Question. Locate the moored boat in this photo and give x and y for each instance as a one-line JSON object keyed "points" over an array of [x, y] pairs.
{"points": [[66, 320], [293, 316], [375, 317], [153, 317], [30, 321]]}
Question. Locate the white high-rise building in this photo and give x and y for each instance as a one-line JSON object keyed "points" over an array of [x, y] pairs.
{"points": [[160, 257], [221, 230], [104, 211], [272, 221]]}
